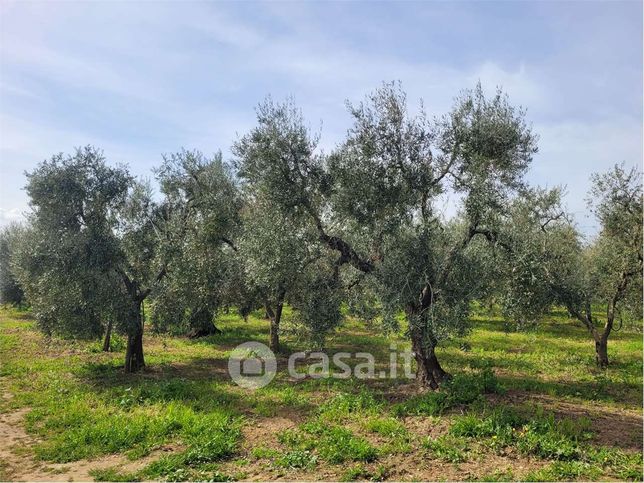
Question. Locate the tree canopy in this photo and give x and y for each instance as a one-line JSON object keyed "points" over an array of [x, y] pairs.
{"points": [[359, 227]]}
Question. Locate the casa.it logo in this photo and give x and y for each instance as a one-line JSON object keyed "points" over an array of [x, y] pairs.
{"points": [[252, 365]]}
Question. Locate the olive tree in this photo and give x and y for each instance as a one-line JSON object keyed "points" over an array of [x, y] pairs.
{"points": [[373, 201], [64, 260], [10, 290], [204, 274], [609, 271], [274, 251], [539, 241], [98, 245], [550, 264]]}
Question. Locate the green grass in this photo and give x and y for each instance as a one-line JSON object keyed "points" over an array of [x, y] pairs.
{"points": [[297, 459], [361, 472], [334, 444], [447, 448], [112, 474], [83, 406], [463, 389], [390, 427]]}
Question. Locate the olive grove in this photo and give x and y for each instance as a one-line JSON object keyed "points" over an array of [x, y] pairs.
{"points": [[360, 227]]}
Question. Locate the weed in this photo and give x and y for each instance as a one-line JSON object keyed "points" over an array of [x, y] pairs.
{"points": [[564, 471], [447, 448], [389, 427], [360, 472], [297, 459], [356, 472], [625, 466], [262, 452], [112, 474], [336, 444], [346, 404], [462, 389]]}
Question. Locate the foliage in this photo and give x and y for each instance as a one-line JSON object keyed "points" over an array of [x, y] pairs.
{"points": [[65, 259], [297, 459], [204, 271], [372, 201], [463, 389], [447, 448], [10, 290], [97, 245], [549, 265]]}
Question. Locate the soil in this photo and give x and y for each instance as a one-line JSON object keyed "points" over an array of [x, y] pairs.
{"points": [[614, 427], [17, 462]]}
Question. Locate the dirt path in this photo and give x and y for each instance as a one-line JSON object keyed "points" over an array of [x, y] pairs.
{"points": [[18, 464]]}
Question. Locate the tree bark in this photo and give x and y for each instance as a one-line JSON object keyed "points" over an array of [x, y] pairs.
{"points": [[600, 338], [275, 316], [202, 325], [108, 337], [134, 360], [428, 370], [601, 352], [601, 342], [423, 345], [275, 329]]}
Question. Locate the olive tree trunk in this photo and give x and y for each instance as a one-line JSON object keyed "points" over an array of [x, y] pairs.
{"points": [[201, 324], [275, 317], [134, 360], [429, 372], [601, 352], [108, 337]]}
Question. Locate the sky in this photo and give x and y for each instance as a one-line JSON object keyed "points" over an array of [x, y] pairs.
{"points": [[140, 79]]}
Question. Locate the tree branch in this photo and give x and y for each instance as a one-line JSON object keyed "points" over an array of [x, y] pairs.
{"points": [[348, 254]]}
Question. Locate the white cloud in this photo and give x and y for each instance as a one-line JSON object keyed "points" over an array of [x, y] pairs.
{"points": [[191, 77], [10, 216], [570, 151]]}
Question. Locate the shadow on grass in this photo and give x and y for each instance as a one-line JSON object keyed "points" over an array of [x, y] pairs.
{"points": [[523, 374], [561, 327]]}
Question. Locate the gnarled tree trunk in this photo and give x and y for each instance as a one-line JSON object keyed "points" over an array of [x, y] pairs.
{"points": [[134, 360], [601, 352], [423, 345], [600, 338], [202, 325], [108, 337]]}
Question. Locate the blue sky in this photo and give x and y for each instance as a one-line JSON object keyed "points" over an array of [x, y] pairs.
{"points": [[142, 79]]}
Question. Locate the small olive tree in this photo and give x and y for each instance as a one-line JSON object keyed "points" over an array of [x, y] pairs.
{"points": [[97, 247], [610, 269], [549, 264]]}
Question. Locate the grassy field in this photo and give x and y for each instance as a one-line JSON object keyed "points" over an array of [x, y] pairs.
{"points": [[528, 406]]}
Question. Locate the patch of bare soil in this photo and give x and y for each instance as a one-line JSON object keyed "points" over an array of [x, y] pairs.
{"points": [[417, 465], [18, 464], [612, 426], [263, 432]]}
